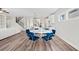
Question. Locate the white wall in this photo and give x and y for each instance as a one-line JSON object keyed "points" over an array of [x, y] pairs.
{"points": [[14, 29], [68, 30], [28, 22]]}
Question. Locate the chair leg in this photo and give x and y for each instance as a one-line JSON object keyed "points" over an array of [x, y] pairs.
{"points": [[30, 39], [45, 39], [50, 38]]}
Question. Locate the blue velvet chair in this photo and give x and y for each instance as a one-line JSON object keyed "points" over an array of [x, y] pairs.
{"points": [[28, 31], [53, 31], [31, 35], [48, 36]]}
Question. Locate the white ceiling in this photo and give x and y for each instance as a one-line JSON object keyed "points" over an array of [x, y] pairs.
{"points": [[31, 12]]}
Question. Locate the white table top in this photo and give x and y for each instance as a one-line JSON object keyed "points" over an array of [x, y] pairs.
{"points": [[41, 30]]}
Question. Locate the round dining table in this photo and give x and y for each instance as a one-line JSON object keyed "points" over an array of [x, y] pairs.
{"points": [[40, 31]]}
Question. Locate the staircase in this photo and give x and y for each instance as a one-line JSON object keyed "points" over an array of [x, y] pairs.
{"points": [[20, 20]]}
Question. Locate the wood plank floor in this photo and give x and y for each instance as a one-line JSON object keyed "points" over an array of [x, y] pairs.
{"points": [[20, 42]]}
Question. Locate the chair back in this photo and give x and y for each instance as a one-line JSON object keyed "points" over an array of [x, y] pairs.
{"points": [[27, 31], [54, 31]]}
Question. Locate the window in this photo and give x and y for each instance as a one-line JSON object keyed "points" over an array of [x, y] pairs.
{"points": [[2, 21], [62, 17]]}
